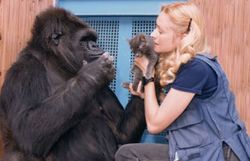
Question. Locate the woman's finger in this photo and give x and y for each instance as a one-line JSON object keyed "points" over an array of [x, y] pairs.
{"points": [[142, 59], [135, 93], [131, 90], [139, 65], [141, 62], [139, 88]]}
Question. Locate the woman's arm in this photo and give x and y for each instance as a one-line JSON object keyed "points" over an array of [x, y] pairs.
{"points": [[160, 117]]}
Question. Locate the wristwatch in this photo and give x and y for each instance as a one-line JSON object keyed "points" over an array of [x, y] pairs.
{"points": [[145, 81]]}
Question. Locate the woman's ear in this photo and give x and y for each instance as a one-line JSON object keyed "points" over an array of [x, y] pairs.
{"points": [[178, 38]]}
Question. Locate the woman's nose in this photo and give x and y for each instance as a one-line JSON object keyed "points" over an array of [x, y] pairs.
{"points": [[153, 34]]}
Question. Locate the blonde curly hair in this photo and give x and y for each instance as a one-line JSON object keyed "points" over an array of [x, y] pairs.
{"points": [[188, 20]]}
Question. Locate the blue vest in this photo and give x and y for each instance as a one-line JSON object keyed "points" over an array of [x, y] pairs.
{"points": [[199, 132]]}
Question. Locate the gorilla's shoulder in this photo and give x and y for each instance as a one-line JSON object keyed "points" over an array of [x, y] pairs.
{"points": [[27, 60], [25, 79], [26, 67]]}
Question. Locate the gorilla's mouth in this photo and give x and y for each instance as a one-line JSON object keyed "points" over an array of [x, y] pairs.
{"points": [[95, 56]]}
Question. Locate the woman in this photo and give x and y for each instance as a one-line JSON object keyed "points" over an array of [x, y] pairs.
{"points": [[198, 110]]}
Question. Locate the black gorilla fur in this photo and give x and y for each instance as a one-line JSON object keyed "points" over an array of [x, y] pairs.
{"points": [[54, 107]]}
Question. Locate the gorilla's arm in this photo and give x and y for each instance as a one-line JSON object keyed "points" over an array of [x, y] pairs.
{"points": [[132, 125], [127, 124], [38, 117]]}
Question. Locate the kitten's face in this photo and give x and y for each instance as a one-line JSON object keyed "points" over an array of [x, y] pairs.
{"points": [[140, 45]]}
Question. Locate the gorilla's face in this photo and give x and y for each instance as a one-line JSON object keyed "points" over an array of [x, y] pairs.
{"points": [[66, 38], [75, 48], [85, 46]]}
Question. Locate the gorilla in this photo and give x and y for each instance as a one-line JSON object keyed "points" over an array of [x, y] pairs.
{"points": [[55, 102]]}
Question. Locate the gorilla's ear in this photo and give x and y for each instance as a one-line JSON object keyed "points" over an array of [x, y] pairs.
{"points": [[55, 37]]}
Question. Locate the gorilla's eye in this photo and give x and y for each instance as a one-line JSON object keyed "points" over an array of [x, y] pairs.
{"points": [[86, 35], [88, 38], [56, 35]]}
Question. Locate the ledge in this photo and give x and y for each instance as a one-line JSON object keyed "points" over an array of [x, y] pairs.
{"points": [[114, 7]]}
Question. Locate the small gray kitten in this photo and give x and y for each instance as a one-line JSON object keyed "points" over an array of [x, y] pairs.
{"points": [[142, 45]]}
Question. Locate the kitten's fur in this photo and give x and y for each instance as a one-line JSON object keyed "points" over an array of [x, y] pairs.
{"points": [[143, 45]]}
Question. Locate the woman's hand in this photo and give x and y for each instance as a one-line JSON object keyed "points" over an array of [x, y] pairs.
{"points": [[142, 63], [138, 92]]}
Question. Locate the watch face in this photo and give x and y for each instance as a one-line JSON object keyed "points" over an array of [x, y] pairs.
{"points": [[146, 81]]}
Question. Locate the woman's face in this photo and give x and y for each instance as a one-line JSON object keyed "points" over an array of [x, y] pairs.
{"points": [[165, 38]]}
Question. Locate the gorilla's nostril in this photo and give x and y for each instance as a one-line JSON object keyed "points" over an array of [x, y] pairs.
{"points": [[93, 45]]}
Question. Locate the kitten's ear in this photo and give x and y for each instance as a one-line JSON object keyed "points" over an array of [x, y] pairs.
{"points": [[130, 41], [142, 38]]}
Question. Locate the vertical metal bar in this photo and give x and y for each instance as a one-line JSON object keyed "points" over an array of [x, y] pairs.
{"points": [[123, 59]]}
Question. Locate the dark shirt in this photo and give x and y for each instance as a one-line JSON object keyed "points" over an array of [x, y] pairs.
{"points": [[196, 77]]}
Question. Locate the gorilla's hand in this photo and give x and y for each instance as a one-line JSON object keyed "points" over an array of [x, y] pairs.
{"points": [[100, 71]]}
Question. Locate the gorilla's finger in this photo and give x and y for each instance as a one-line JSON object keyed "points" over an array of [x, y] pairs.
{"points": [[84, 62], [105, 55], [111, 58]]}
